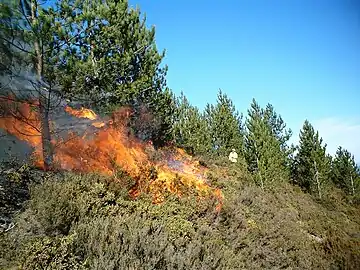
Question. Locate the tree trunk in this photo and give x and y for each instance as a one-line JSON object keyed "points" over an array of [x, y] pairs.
{"points": [[258, 167], [45, 133], [317, 180], [261, 179], [43, 99], [352, 185]]}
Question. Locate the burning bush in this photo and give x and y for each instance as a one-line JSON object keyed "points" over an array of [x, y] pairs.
{"points": [[109, 146]]}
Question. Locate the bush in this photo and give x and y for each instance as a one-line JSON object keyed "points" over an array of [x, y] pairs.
{"points": [[51, 253], [89, 221]]}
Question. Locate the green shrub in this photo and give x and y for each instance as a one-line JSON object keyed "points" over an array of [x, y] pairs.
{"points": [[89, 221], [51, 253]]}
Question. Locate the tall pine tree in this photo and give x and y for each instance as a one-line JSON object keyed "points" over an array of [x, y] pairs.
{"points": [[190, 128], [114, 62], [99, 53], [225, 124], [33, 37], [281, 133], [312, 164], [345, 173], [264, 155]]}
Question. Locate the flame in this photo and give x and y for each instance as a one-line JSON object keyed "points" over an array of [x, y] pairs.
{"points": [[98, 124], [22, 120], [85, 113], [109, 149], [82, 113]]}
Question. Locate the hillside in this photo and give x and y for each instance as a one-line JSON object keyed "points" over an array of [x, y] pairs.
{"points": [[90, 222], [103, 166], [114, 201]]}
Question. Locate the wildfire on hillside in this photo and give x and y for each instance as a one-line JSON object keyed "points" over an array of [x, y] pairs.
{"points": [[109, 148]]}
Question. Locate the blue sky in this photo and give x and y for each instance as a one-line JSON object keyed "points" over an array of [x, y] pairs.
{"points": [[302, 56]]}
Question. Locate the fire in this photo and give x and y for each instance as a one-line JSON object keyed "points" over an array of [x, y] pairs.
{"points": [[98, 124], [109, 149], [82, 113], [85, 113], [21, 119]]}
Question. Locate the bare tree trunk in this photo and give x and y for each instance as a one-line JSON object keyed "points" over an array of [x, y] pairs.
{"points": [[317, 180], [44, 99], [261, 179], [45, 133], [352, 185]]}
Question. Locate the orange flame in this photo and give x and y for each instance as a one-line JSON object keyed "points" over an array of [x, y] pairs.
{"points": [[22, 120], [98, 124], [85, 113], [111, 148], [82, 113]]}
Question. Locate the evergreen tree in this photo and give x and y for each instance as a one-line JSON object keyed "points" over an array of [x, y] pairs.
{"points": [[312, 165], [32, 36], [96, 52], [115, 62], [345, 173], [155, 124], [264, 156], [253, 123], [225, 124], [190, 128], [281, 133], [278, 128]]}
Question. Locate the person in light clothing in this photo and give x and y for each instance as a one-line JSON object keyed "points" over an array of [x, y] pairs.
{"points": [[233, 156]]}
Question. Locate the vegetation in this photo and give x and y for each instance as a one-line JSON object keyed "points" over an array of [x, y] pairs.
{"points": [[284, 206], [225, 126], [345, 173], [191, 130], [89, 222], [264, 141], [312, 164]]}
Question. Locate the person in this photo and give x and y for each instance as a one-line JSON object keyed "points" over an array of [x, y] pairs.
{"points": [[233, 156]]}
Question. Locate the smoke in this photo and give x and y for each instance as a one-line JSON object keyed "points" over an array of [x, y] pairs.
{"points": [[63, 126], [12, 147]]}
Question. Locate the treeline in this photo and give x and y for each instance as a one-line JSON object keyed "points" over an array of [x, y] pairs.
{"points": [[262, 141], [101, 54]]}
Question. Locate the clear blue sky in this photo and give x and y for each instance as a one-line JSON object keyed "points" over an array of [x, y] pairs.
{"points": [[303, 56]]}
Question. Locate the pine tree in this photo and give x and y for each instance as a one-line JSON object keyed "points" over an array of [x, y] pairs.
{"points": [[264, 156], [278, 127], [162, 125], [155, 124], [190, 128], [115, 62], [32, 35], [345, 173], [225, 124], [312, 164], [253, 122]]}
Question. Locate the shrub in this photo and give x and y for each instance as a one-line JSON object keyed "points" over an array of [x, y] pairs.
{"points": [[89, 221], [51, 253]]}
